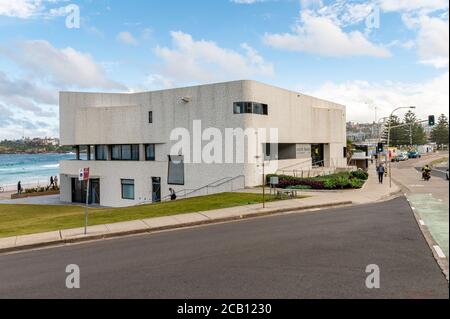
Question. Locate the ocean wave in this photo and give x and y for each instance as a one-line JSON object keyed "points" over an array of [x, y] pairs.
{"points": [[51, 166]]}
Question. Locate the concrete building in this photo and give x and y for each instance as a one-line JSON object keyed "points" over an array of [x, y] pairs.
{"points": [[127, 139]]}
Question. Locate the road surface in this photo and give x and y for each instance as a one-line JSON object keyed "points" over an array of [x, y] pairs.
{"points": [[307, 255]]}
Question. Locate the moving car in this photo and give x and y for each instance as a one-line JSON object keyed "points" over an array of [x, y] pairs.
{"points": [[414, 154]]}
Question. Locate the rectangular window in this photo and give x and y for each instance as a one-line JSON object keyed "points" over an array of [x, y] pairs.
{"points": [[100, 152], [150, 152], [127, 188], [238, 107], [116, 152], [150, 117], [267, 150], [250, 108], [257, 108], [126, 152], [135, 152], [175, 174]]}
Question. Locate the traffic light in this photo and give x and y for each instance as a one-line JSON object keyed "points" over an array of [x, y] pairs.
{"points": [[431, 121], [380, 148]]}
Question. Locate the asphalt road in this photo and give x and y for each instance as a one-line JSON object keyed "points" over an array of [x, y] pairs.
{"points": [[308, 255]]}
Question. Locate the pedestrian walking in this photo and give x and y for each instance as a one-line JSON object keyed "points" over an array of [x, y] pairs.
{"points": [[380, 171], [19, 187], [51, 180], [173, 195]]}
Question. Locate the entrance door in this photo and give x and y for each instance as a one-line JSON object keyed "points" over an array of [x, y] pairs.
{"points": [[94, 196], [156, 189], [79, 191], [317, 154]]}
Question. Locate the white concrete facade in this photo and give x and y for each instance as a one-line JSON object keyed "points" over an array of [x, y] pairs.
{"points": [[113, 119]]}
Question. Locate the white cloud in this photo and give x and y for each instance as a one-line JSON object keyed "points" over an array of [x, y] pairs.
{"points": [[320, 35], [412, 5], [126, 38], [62, 67], [204, 61], [430, 97], [20, 8], [433, 42]]}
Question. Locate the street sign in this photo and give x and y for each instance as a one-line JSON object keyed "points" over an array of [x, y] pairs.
{"points": [[274, 180], [83, 174]]}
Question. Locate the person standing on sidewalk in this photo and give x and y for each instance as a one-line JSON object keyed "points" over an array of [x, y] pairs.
{"points": [[380, 171]]}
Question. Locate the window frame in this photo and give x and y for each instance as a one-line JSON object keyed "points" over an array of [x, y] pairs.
{"points": [[134, 152], [123, 182], [250, 108], [150, 117], [150, 159], [104, 152]]}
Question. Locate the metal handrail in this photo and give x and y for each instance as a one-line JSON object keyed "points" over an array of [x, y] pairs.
{"points": [[216, 183]]}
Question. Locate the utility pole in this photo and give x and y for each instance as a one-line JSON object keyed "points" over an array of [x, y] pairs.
{"points": [[389, 138]]}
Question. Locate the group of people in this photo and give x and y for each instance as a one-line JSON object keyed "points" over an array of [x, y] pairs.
{"points": [[53, 184], [54, 181], [426, 172]]}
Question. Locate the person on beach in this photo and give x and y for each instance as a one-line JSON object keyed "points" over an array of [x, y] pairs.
{"points": [[19, 187], [51, 181]]}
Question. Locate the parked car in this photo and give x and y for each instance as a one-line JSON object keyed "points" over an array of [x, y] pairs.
{"points": [[400, 157], [414, 154]]}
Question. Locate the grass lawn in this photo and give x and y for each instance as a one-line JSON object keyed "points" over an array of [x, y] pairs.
{"points": [[29, 219], [439, 161]]}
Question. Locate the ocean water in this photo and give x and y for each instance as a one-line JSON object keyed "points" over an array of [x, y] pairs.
{"points": [[30, 168]]}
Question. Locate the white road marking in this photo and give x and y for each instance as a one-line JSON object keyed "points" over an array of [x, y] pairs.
{"points": [[422, 222], [439, 251]]}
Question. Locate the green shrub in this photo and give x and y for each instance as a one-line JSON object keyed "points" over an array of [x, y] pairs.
{"points": [[356, 183], [360, 174], [342, 182], [329, 183]]}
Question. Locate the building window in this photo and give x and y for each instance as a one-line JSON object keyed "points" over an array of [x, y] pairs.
{"points": [[150, 117], [126, 152], [250, 108], [150, 152], [127, 188], [100, 152], [175, 174]]}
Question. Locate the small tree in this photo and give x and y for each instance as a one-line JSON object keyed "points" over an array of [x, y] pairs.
{"points": [[413, 133], [440, 132], [397, 134]]}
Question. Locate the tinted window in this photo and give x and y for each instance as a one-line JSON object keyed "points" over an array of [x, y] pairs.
{"points": [[127, 188], [125, 152], [150, 152], [116, 152], [100, 152], [250, 108]]}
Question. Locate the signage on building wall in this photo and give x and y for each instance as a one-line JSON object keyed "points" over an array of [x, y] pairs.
{"points": [[303, 150], [83, 174]]}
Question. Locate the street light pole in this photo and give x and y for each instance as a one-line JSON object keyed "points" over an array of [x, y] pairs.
{"points": [[389, 138]]}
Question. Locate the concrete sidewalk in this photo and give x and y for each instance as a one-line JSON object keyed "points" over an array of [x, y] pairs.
{"points": [[371, 192]]}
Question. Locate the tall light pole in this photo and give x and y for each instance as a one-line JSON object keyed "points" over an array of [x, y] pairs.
{"points": [[380, 132], [389, 137]]}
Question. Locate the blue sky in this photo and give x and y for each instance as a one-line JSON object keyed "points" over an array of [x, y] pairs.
{"points": [[364, 54]]}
